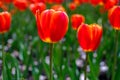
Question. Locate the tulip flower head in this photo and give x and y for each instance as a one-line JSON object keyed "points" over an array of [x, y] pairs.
{"points": [[77, 20], [72, 6], [114, 17], [58, 7], [5, 21], [20, 4], [96, 2], [89, 36], [37, 6], [52, 25], [109, 3]]}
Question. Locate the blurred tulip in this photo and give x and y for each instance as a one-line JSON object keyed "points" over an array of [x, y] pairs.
{"points": [[5, 21], [36, 1], [77, 20], [8, 1], [52, 25], [37, 6], [59, 1], [58, 7], [72, 6], [50, 1], [20, 4], [96, 2], [109, 3], [77, 2], [89, 36], [114, 17], [3, 6]]}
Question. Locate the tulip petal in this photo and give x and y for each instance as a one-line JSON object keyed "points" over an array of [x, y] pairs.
{"points": [[58, 26]]}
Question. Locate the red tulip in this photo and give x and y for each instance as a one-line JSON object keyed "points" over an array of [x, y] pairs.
{"points": [[89, 36], [58, 7], [20, 4], [59, 1], [77, 2], [36, 1], [5, 21], [52, 25], [95, 2], [8, 1], [77, 20], [50, 1], [109, 3], [72, 6], [3, 6], [37, 6], [114, 17]]}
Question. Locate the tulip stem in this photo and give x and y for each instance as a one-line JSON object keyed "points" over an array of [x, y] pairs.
{"points": [[51, 59], [86, 62], [3, 58], [115, 56]]}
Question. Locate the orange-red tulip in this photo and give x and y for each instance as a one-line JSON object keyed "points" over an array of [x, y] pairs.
{"points": [[52, 25], [77, 20], [109, 3], [78, 2], [59, 1], [72, 6], [8, 1], [96, 2], [20, 4], [89, 36], [3, 6], [37, 6], [5, 21], [58, 7], [36, 1], [114, 17]]}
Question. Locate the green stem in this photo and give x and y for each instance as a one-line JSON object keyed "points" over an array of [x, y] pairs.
{"points": [[51, 58], [86, 62], [115, 56], [3, 58]]}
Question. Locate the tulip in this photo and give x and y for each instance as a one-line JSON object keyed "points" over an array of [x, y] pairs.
{"points": [[77, 20], [8, 1], [78, 2], [72, 6], [52, 25], [109, 3], [5, 21], [37, 6], [59, 1], [20, 4], [114, 17], [96, 2], [36, 1], [89, 36], [3, 6], [58, 7]]}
